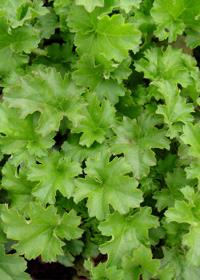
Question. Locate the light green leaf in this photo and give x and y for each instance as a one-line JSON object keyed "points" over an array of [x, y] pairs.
{"points": [[173, 16], [18, 187], [192, 239], [105, 37], [20, 11], [12, 267], [53, 97], [191, 136], [102, 272], [193, 171], [181, 213], [41, 229], [140, 264], [97, 120], [90, 5], [72, 148], [128, 4], [105, 184], [54, 173], [135, 140], [175, 109], [20, 134], [168, 65], [167, 273], [127, 233], [113, 39], [93, 77]]}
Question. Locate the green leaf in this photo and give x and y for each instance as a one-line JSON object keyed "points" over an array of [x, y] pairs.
{"points": [[128, 4], [192, 239], [18, 39], [12, 267], [11, 60], [58, 56], [59, 97], [42, 229], [191, 136], [104, 185], [127, 233], [193, 171], [193, 38], [18, 187], [140, 264], [168, 65], [97, 120], [143, 19], [107, 37], [175, 109], [167, 196], [102, 272], [20, 134], [135, 140], [20, 11], [72, 148], [50, 20], [167, 273], [173, 16], [54, 173], [181, 213], [93, 77], [90, 5]]}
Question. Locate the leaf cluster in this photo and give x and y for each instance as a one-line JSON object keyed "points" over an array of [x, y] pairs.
{"points": [[100, 137]]}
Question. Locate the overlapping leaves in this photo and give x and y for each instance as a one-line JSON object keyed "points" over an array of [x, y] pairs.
{"points": [[44, 229], [51, 95], [105, 184]]}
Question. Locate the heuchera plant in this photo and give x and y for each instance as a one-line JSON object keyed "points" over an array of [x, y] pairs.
{"points": [[100, 137]]}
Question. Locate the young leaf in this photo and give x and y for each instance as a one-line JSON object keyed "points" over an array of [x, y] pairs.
{"points": [[97, 120], [93, 77], [12, 266], [54, 173], [102, 272], [42, 229], [127, 233], [175, 110], [136, 141], [168, 65], [141, 264], [53, 97], [105, 184]]}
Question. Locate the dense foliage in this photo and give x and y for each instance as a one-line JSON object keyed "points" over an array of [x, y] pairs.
{"points": [[100, 137]]}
